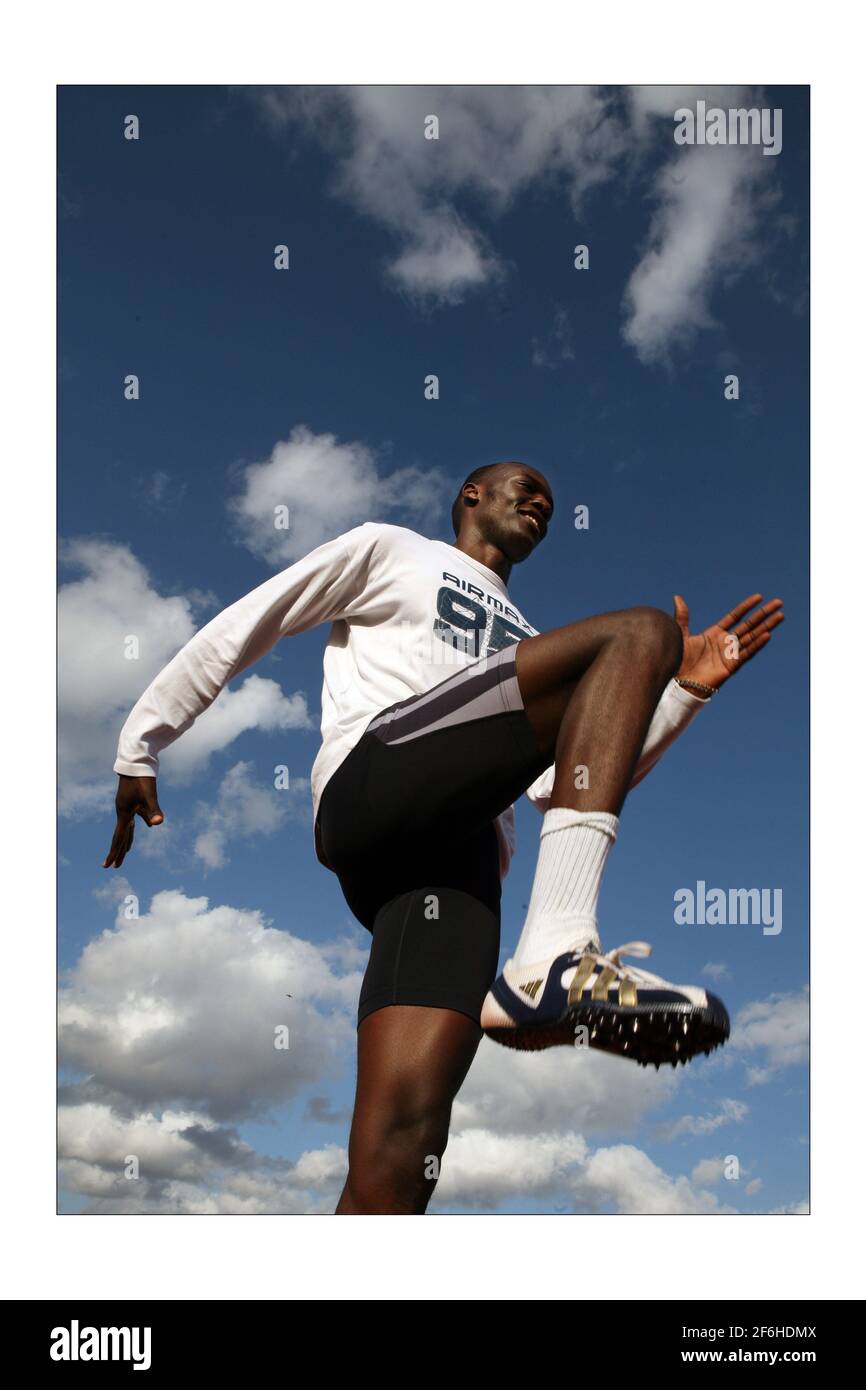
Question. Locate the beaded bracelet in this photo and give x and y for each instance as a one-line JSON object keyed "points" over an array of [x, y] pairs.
{"points": [[707, 690]]}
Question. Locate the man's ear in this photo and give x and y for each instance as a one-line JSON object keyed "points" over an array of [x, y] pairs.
{"points": [[470, 495]]}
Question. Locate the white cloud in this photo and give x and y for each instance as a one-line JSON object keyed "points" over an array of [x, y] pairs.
{"points": [[707, 205], [170, 1021], [494, 142], [497, 142], [772, 1034], [716, 970], [626, 1179], [558, 1089], [186, 1164], [483, 1168], [328, 487], [180, 1007], [729, 1112], [112, 599], [171, 1017], [708, 1172], [244, 809], [258, 703], [520, 1127], [704, 224]]}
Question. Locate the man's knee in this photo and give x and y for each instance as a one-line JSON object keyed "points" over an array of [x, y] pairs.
{"points": [[656, 633]]}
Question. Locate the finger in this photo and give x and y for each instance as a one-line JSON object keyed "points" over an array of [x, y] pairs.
{"points": [[746, 653], [681, 612], [754, 619], [763, 626], [767, 626], [118, 840], [127, 845], [736, 613]]}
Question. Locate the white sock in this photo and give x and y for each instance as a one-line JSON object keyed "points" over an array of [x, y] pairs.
{"points": [[571, 859]]}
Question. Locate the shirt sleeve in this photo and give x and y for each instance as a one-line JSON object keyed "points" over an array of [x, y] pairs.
{"points": [[321, 587], [674, 712]]}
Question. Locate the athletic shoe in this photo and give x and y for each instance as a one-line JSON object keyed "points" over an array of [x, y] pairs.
{"points": [[590, 999]]}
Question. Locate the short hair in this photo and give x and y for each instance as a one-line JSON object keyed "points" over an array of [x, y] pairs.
{"points": [[475, 476]]}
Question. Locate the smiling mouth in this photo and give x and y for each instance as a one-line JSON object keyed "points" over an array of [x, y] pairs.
{"points": [[534, 521]]}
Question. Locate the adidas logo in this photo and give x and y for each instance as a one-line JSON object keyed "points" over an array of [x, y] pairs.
{"points": [[532, 988]]}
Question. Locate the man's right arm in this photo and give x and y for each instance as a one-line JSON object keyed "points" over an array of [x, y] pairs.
{"points": [[318, 588]]}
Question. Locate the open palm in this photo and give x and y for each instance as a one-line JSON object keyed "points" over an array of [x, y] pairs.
{"points": [[714, 655]]}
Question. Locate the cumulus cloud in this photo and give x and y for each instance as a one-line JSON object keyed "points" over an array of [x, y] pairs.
{"points": [[327, 487], [483, 1167], [728, 1112], [716, 970], [244, 808], [624, 1179], [258, 703], [494, 142], [184, 1163], [702, 227], [707, 204], [708, 1172], [180, 1006], [704, 203], [112, 599], [560, 1089], [521, 1127], [772, 1034], [169, 1021]]}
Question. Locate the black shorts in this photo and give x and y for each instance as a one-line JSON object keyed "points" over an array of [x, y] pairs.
{"points": [[406, 823]]}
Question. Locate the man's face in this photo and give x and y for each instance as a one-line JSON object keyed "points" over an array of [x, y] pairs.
{"points": [[514, 510]]}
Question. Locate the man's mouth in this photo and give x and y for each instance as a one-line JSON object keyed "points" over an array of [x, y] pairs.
{"points": [[534, 521]]}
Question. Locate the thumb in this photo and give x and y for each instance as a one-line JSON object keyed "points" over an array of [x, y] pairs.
{"points": [[152, 814], [681, 612]]}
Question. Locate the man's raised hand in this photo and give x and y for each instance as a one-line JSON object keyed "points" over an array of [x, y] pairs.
{"points": [[136, 796], [714, 655]]}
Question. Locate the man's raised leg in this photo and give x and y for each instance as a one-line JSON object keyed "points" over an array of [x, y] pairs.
{"points": [[589, 691]]}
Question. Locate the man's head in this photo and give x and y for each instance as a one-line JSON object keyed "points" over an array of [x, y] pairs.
{"points": [[506, 505]]}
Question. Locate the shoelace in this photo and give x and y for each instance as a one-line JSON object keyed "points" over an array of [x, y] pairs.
{"points": [[612, 961]]}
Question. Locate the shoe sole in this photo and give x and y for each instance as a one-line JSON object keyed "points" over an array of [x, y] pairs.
{"points": [[649, 1034]]}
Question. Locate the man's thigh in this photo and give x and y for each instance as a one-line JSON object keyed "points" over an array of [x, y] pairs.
{"points": [[435, 920]]}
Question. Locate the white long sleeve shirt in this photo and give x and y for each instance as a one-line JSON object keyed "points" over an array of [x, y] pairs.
{"points": [[405, 613]]}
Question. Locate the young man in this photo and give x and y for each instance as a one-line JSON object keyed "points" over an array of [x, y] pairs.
{"points": [[440, 706]]}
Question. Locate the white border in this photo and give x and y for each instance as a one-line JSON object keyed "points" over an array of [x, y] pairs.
{"points": [[452, 1258]]}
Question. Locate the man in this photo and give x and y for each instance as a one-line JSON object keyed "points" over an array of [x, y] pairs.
{"points": [[440, 706]]}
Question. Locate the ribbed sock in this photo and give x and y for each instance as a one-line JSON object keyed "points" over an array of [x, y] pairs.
{"points": [[571, 859]]}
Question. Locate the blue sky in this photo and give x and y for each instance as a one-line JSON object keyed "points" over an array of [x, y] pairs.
{"points": [[410, 257]]}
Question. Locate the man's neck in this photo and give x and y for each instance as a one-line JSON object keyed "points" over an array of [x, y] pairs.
{"points": [[485, 554]]}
